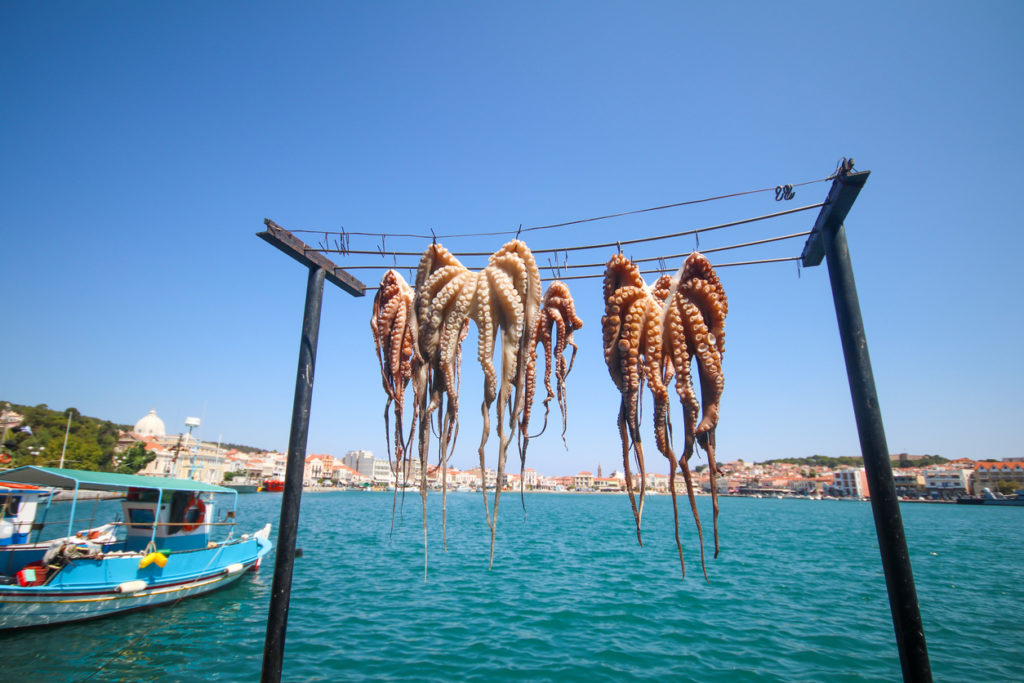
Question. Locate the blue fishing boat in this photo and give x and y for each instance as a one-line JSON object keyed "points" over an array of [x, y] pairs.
{"points": [[167, 544]]}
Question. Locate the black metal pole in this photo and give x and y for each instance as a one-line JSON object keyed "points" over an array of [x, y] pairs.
{"points": [[280, 594], [899, 578]]}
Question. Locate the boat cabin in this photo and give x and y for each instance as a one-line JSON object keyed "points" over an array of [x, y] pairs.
{"points": [[182, 519], [18, 503]]}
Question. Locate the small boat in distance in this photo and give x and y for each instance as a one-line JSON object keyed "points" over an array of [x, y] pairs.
{"points": [[163, 550], [990, 497], [273, 485]]}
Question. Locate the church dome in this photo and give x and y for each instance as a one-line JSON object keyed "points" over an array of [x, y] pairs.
{"points": [[150, 425]]}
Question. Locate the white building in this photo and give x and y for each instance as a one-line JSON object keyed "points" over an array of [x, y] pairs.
{"points": [[361, 461], [530, 478], [179, 456], [850, 482], [946, 482]]}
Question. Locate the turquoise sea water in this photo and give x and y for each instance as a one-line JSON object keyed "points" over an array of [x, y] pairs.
{"points": [[797, 594]]}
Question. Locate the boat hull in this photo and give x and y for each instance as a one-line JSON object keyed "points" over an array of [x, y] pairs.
{"points": [[92, 589]]}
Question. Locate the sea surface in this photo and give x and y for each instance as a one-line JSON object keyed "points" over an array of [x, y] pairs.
{"points": [[797, 594]]}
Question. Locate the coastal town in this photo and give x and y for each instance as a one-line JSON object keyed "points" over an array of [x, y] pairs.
{"points": [[180, 455]]}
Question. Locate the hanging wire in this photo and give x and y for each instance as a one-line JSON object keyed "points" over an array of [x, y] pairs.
{"points": [[564, 265], [656, 271], [520, 229], [618, 243]]}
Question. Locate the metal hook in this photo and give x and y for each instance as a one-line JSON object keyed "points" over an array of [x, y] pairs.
{"points": [[843, 167], [519, 230], [344, 241], [619, 245], [696, 236], [433, 237]]}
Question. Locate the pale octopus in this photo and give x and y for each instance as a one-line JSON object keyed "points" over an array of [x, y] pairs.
{"points": [[651, 334], [504, 298]]}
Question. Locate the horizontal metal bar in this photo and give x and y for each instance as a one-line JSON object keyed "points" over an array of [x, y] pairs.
{"points": [[841, 196], [310, 257]]}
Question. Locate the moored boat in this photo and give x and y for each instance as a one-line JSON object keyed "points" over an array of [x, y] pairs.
{"points": [[990, 497], [163, 550]]}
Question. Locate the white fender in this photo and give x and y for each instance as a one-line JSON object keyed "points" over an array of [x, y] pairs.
{"points": [[132, 586]]}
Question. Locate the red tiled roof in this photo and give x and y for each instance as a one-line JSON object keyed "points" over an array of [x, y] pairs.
{"points": [[999, 466]]}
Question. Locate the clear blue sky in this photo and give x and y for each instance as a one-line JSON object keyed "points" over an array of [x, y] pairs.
{"points": [[143, 144]]}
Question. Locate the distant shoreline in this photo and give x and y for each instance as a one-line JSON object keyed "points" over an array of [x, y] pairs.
{"points": [[328, 489]]}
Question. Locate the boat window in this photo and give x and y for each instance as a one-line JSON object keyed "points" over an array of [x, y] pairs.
{"points": [[140, 518], [10, 505]]}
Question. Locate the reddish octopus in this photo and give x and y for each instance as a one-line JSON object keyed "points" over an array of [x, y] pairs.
{"points": [[653, 334]]}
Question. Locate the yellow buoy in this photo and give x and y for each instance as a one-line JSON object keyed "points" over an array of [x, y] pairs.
{"points": [[159, 558]]}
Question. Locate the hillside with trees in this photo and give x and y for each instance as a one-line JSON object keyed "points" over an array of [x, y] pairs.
{"points": [[39, 440], [899, 460]]}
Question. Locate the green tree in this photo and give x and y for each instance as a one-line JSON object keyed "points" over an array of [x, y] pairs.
{"points": [[1006, 487], [133, 459]]}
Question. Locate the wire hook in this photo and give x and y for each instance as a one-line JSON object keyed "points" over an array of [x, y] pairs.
{"points": [[519, 230], [344, 241]]}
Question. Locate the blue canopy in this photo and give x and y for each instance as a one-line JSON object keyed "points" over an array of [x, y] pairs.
{"points": [[102, 481]]}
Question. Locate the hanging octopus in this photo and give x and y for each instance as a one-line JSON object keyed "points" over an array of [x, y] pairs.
{"points": [[503, 298], [665, 326], [435, 383], [694, 323], [632, 350], [516, 295], [556, 323], [394, 329]]}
